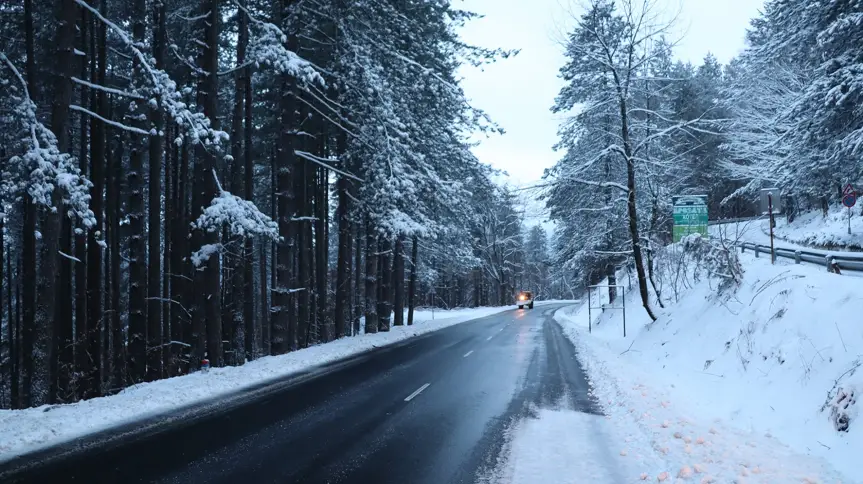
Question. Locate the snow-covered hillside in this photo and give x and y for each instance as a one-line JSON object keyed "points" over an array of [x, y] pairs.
{"points": [[810, 230], [758, 382], [813, 229]]}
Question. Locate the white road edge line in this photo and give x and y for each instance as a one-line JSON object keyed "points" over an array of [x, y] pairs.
{"points": [[467, 354], [419, 390]]}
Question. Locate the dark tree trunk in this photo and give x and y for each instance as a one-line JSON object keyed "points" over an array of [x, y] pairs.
{"points": [[253, 330], [10, 343], [265, 301], [12, 332], [371, 279], [633, 211], [399, 282], [343, 264], [611, 274], [208, 309], [281, 334], [412, 285], [137, 350], [359, 301], [171, 153], [91, 350], [654, 222], [384, 305], [304, 250], [28, 233], [65, 338], [48, 281], [112, 216], [350, 307], [77, 342], [181, 271], [236, 275], [322, 254], [284, 319], [154, 225]]}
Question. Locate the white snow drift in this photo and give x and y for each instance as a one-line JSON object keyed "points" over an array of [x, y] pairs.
{"points": [[758, 384]]}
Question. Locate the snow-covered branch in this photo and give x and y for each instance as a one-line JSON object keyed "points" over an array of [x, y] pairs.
{"points": [[266, 47], [43, 167], [242, 217], [109, 90], [124, 127], [324, 163], [198, 128]]}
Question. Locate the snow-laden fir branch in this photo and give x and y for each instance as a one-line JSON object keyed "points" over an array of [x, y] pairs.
{"points": [[266, 47], [323, 162], [198, 127], [242, 217], [43, 166], [133, 129], [109, 90], [202, 255]]}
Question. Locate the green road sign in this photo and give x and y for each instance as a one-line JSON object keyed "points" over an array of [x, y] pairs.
{"points": [[690, 216]]}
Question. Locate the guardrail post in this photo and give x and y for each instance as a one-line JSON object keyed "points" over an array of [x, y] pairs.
{"points": [[797, 256], [742, 248], [755, 247], [829, 260]]}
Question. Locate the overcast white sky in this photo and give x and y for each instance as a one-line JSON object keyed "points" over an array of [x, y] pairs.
{"points": [[518, 92]]}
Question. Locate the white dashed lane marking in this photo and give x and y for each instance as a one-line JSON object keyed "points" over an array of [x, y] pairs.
{"points": [[419, 390]]}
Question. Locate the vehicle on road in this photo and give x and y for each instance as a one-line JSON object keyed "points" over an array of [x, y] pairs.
{"points": [[525, 298]]}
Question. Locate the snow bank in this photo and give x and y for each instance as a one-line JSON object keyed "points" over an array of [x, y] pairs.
{"points": [[747, 387], [23, 431], [813, 229], [563, 446], [808, 231]]}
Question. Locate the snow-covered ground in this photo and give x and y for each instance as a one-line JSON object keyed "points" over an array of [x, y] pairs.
{"points": [[746, 387], [27, 430], [808, 231], [812, 229], [566, 447]]}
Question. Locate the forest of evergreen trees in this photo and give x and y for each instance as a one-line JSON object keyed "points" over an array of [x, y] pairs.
{"points": [[229, 179]]}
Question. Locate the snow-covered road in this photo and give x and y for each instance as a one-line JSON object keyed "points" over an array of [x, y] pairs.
{"points": [[23, 431]]}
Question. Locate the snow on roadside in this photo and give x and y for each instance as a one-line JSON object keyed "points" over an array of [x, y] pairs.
{"points": [[563, 447], [736, 389], [813, 229], [810, 231], [23, 431]]}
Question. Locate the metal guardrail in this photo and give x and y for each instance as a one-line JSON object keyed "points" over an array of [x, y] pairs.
{"points": [[845, 262], [734, 220]]}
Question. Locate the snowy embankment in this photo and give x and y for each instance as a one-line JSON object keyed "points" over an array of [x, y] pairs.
{"points": [[23, 431], [809, 231], [814, 230], [757, 385]]}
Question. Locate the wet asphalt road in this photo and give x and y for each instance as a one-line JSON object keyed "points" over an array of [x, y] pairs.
{"points": [[433, 411]]}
